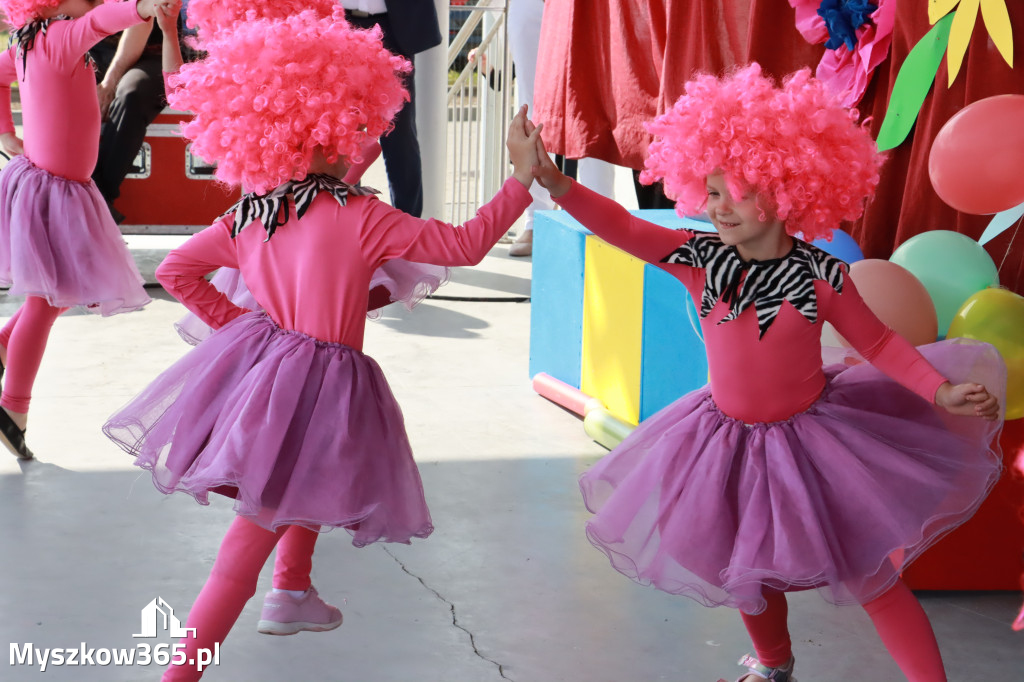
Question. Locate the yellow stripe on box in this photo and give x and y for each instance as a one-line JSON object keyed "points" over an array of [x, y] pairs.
{"points": [[613, 286]]}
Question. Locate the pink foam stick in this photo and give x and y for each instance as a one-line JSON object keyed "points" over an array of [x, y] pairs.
{"points": [[561, 393]]}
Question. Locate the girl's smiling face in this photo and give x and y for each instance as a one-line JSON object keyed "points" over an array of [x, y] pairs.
{"points": [[754, 231]]}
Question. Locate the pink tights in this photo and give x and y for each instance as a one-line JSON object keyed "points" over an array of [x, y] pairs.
{"points": [[232, 583], [897, 616], [25, 337]]}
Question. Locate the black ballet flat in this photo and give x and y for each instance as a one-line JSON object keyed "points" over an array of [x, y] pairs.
{"points": [[13, 437]]}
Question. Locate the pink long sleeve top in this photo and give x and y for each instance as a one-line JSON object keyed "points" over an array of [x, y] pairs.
{"points": [[61, 113], [755, 377], [313, 275]]}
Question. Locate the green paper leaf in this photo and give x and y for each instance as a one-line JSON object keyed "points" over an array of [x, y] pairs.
{"points": [[913, 82]]}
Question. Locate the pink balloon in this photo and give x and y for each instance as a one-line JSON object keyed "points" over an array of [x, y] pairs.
{"points": [[976, 163], [897, 298]]}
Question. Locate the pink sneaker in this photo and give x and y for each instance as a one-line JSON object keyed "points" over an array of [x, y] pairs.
{"points": [[283, 614]]}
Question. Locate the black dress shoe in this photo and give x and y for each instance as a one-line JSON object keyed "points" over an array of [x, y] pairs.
{"points": [[13, 437]]}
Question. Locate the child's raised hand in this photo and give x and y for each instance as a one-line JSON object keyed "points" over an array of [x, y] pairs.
{"points": [[969, 400], [167, 16], [147, 8], [547, 173], [522, 147], [11, 144]]}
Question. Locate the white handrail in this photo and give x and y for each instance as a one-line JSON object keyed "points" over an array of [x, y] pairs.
{"points": [[478, 114]]}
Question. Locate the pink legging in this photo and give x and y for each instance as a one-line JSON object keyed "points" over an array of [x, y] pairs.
{"points": [[25, 336], [232, 582], [897, 616]]}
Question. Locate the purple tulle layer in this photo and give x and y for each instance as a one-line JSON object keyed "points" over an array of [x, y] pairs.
{"points": [[840, 497], [297, 430], [58, 241], [407, 283]]}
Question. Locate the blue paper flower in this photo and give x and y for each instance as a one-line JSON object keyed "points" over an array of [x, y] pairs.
{"points": [[842, 19]]}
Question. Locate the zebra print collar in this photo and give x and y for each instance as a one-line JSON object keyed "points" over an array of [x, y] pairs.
{"points": [[271, 209], [25, 37], [767, 283]]}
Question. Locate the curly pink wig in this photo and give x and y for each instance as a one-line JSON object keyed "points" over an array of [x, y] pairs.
{"points": [[794, 146], [20, 12], [272, 91], [211, 17]]}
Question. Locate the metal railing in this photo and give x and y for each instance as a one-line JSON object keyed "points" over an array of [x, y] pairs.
{"points": [[479, 107]]}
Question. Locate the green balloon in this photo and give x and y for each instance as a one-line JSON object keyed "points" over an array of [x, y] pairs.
{"points": [[951, 266]]}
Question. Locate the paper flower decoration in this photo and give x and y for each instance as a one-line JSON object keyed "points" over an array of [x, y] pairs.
{"points": [[857, 35], [950, 34], [842, 19], [993, 13]]}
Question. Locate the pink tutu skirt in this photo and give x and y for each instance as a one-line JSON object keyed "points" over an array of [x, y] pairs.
{"points": [[406, 282], [840, 497], [296, 430], [58, 242]]}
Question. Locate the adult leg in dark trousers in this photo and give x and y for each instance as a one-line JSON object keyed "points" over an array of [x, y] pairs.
{"points": [[400, 147], [138, 100]]}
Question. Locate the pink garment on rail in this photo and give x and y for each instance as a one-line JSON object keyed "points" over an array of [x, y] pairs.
{"points": [[313, 276], [56, 84], [772, 378]]}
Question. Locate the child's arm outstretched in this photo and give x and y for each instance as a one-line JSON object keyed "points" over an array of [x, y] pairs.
{"points": [[604, 217], [390, 233], [170, 55], [895, 356], [167, 20], [75, 37]]}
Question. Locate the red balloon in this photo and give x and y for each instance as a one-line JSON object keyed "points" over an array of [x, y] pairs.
{"points": [[976, 162]]}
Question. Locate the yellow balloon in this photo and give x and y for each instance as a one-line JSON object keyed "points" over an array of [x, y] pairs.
{"points": [[996, 316]]}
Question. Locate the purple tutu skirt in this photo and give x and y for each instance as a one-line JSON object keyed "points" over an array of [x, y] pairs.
{"points": [[840, 497], [58, 242], [296, 430], [406, 282]]}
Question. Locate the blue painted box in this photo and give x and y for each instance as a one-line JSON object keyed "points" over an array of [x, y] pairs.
{"points": [[672, 360]]}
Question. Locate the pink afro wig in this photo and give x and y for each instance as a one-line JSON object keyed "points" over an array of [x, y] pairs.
{"points": [[272, 91], [20, 12], [799, 150], [211, 17]]}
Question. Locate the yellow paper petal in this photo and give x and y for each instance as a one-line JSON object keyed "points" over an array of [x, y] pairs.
{"points": [[960, 36], [939, 8], [997, 21]]}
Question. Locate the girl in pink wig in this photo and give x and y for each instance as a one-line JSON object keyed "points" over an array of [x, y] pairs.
{"points": [[213, 17], [59, 247], [280, 409], [783, 474], [396, 281]]}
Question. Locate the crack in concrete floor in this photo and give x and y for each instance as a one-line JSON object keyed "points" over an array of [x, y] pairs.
{"points": [[455, 617]]}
